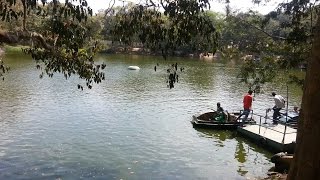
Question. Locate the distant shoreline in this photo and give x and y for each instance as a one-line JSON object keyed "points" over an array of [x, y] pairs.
{"points": [[144, 51], [131, 51]]}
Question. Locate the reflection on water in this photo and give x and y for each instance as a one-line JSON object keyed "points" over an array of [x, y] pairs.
{"points": [[245, 152], [130, 126], [240, 155], [219, 136]]}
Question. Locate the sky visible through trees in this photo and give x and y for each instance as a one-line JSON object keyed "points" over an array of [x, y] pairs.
{"points": [[237, 5]]}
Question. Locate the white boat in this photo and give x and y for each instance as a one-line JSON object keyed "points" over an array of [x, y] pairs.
{"points": [[133, 68]]}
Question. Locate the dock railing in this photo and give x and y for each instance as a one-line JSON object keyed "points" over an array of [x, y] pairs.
{"points": [[266, 120]]}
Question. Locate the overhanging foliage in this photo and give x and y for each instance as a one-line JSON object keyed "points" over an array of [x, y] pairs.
{"points": [[61, 44]]}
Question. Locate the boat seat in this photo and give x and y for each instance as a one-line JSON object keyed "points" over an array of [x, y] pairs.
{"points": [[227, 116]]}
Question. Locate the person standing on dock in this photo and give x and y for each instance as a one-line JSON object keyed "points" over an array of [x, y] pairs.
{"points": [[279, 104], [247, 105]]}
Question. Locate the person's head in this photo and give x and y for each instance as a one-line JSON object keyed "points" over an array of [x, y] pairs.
{"points": [[218, 104], [295, 108], [273, 93], [250, 92]]}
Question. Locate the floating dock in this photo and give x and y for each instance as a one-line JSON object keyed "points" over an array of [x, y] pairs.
{"points": [[275, 137], [279, 137]]}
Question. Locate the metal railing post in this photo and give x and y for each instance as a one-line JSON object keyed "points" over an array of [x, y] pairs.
{"points": [[285, 127], [259, 124]]}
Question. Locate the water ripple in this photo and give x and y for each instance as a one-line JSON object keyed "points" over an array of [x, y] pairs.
{"points": [[130, 126]]}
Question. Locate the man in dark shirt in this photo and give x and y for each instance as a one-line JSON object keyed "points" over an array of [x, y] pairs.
{"points": [[219, 108], [220, 116]]}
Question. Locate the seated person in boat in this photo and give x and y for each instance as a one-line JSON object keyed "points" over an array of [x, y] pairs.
{"points": [[220, 115], [293, 115], [219, 108], [296, 110]]}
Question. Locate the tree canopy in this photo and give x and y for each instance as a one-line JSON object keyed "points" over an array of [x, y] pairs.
{"points": [[181, 23], [60, 42]]}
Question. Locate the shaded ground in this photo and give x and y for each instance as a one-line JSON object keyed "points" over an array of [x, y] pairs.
{"points": [[276, 176]]}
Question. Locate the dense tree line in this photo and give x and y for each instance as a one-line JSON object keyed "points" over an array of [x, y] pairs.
{"points": [[182, 26]]}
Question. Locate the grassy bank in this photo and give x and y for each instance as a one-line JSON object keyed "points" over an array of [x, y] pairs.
{"points": [[12, 49]]}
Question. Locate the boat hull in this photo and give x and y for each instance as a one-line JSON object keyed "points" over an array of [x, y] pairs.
{"points": [[205, 121], [214, 125]]}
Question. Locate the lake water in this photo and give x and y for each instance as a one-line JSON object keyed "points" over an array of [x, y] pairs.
{"points": [[131, 126]]}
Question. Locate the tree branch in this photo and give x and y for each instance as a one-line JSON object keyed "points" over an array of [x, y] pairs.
{"points": [[24, 4], [261, 30], [163, 6], [110, 6], [152, 3], [40, 39], [14, 38], [8, 38]]}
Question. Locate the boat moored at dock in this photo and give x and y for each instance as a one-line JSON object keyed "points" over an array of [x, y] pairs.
{"points": [[209, 120]]}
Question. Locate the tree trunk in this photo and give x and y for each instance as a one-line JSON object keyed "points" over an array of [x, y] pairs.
{"points": [[24, 4], [306, 164]]}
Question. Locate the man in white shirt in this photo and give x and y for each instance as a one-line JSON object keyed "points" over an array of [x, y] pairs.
{"points": [[279, 104]]}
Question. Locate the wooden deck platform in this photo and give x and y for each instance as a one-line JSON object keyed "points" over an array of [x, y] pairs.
{"points": [[271, 136]]}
